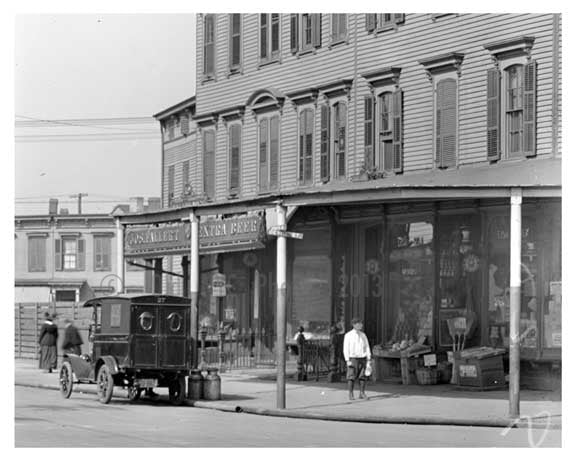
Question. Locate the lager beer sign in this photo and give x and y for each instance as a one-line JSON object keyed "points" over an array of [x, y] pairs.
{"points": [[215, 236]]}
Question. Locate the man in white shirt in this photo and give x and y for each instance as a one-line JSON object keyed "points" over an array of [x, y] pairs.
{"points": [[356, 353]]}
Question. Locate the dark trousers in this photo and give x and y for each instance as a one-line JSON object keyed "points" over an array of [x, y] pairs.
{"points": [[356, 370]]}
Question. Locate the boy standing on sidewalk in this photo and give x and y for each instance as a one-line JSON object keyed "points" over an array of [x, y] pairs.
{"points": [[356, 354]]}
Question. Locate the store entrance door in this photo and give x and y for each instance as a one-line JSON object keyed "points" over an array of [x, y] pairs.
{"points": [[371, 273]]}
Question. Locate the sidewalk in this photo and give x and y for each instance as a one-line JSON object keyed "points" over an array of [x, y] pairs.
{"points": [[254, 391]]}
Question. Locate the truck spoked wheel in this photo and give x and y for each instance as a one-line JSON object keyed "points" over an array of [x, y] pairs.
{"points": [[66, 380], [105, 383], [134, 393], [177, 390]]}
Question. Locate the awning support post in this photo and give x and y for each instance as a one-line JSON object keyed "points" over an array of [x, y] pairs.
{"points": [[281, 310], [515, 288]]}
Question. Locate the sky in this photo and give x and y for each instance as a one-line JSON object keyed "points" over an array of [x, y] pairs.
{"points": [[89, 69]]}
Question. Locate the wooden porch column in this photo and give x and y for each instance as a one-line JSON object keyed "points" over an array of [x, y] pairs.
{"points": [[281, 310], [515, 286], [194, 281]]}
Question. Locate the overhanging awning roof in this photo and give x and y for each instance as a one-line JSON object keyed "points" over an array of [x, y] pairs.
{"points": [[49, 283]]}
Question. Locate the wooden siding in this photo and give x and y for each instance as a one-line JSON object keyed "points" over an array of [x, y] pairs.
{"points": [[419, 37], [176, 152]]}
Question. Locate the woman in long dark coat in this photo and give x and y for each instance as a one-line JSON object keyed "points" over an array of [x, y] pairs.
{"points": [[48, 340]]}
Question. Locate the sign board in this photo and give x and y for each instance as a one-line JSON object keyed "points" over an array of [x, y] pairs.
{"points": [[215, 235], [219, 285], [229, 314], [557, 339], [468, 371], [430, 360], [282, 233]]}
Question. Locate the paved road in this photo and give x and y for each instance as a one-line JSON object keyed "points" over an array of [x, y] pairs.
{"points": [[44, 419]]}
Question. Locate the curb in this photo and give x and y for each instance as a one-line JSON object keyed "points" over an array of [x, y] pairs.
{"points": [[299, 414]]}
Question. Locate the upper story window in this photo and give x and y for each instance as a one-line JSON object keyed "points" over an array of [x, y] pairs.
{"points": [[184, 124], [36, 254], [446, 122], [511, 100], [378, 22], [305, 32], [339, 27], [235, 47], [234, 152], [269, 37], [269, 150], [209, 162], [70, 253], [102, 253], [186, 184], [333, 141], [209, 45], [383, 120], [306, 146]]}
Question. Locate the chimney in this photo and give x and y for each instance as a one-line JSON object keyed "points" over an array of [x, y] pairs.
{"points": [[154, 203], [138, 205], [53, 206]]}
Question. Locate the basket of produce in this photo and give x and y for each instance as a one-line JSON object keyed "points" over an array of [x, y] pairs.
{"points": [[426, 375]]}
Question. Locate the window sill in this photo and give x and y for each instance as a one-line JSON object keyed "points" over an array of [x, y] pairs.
{"points": [[386, 28], [267, 191], [208, 79], [264, 63], [338, 41], [305, 52], [234, 72]]}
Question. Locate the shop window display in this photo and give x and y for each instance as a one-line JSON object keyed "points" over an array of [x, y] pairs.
{"points": [[411, 284], [459, 281], [499, 283]]}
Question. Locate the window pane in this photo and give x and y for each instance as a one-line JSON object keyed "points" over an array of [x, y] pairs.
{"points": [[275, 39], [263, 36], [411, 282]]}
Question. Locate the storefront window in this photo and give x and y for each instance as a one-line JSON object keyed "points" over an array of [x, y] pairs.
{"points": [[499, 283], [311, 290], [553, 284], [459, 280], [411, 282]]}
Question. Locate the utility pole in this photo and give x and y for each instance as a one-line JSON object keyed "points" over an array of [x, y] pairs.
{"points": [[79, 196]]}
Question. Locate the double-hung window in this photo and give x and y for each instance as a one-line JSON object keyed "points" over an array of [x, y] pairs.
{"points": [[269, 149], [339, 27], [305, 146], [102, 253], [36, 254], [305, 32], [70, 253], [269, 37], [511, 100], [235, 49], [377, 22], [333, 141], [209, 45], [171, 184]]}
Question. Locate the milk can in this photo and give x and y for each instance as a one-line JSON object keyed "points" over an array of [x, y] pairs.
{"points": [[195, 384], [212, 385]]}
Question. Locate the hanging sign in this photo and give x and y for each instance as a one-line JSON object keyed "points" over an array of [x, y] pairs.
{"points": [[430, 360], [219, 285]]}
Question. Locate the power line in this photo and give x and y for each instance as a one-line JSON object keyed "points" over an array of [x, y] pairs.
{"points": [[87, 122]]}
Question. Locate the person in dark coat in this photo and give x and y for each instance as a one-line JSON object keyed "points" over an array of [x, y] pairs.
{"points": [[48, 340], [72, 340]]}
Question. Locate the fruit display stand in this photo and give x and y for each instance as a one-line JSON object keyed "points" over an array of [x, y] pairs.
{"points": [[480, 367]]}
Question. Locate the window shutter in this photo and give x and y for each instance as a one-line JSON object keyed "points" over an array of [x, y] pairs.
{"points": [[370, 22], [335, 18], [107, 253], [209, 45], [529, 109], [294, 33], [324, 143], [275, 33], [493, 115], [398, 163], [308, 144], [398, 18], [369, 131], [209, 164], [446, 123], [31, 254], [81, 255], [343, 20], [185, 175], [97, 242], [301, 136], [263, 154], [58, 254], [184, 124], [317, 30], [263, 35], [340, 140], [234, 158], [274, 151]]}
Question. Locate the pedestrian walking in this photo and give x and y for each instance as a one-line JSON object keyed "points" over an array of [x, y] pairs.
{"points": [[48, 340], [357, 354], [72, 339]]}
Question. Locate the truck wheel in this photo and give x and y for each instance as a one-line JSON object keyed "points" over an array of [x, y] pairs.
{"points": [[134, 393], [66, 380], [177, 390], [105, 383]]}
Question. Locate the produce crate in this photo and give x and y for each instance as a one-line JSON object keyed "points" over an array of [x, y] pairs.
{"points": [[408, 366], [484, 373], [426, 376]]}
